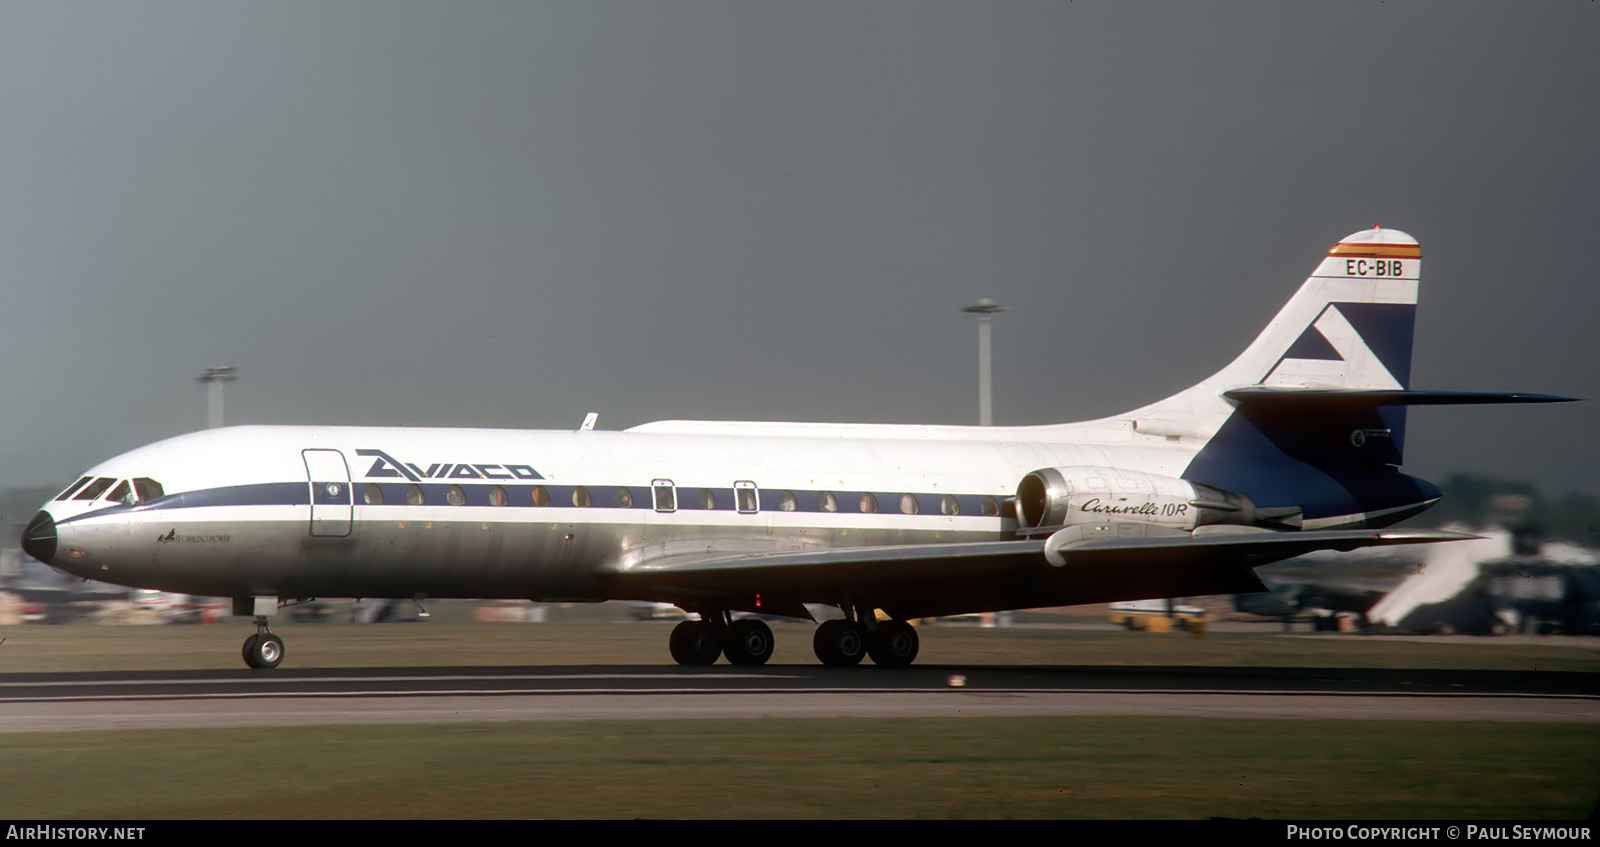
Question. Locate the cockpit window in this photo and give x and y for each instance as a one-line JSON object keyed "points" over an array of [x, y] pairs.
{"points": [[73, 487], [123, 493], [95, 489], [146, 489]]}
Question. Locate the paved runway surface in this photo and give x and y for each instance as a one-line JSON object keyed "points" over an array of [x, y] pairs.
{"points": [[41, 702]]}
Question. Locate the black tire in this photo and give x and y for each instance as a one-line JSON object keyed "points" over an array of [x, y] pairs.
{"points": [[694, 643], [839, 644], [893, 644], [749, 642], [263, 652]]}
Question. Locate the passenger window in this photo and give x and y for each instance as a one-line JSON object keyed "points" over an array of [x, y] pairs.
{"points": [[455, 496], [949, 506], [991, 507], [414, 495], [95, 489], [708, 501], [827, 502], [146, 489], [73, 487], [786, 501], [540, 496], [580, 497], [624, 498], [497, 496], [869, 503], [666, 501], [908, 504], [373, 495], [123, 493], [744, 497]]}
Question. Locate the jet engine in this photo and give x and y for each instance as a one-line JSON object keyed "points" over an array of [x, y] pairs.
{"points": [[1051, 498]]}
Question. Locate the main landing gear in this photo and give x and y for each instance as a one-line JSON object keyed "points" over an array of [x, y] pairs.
{"points": [[837, 643], [842, 643], [746, 642], [263, 650]]}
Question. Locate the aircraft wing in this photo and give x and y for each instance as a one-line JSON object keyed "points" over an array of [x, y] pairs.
{"points": [[923, 580]]}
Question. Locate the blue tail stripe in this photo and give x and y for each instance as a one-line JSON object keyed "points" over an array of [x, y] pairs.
{"points": [[1312, 345], [1387, 330]]}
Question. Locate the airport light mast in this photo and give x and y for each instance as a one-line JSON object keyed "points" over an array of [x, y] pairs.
{"points": [[984, 307], [214, 379]]}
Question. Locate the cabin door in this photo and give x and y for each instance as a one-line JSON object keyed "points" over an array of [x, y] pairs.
{"points": [[332, 501]]}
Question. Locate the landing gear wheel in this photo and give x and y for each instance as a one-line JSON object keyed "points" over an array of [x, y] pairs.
{"points": [[695, 643], [749, 643], [263, 651], [839, 644], [893, 644]]}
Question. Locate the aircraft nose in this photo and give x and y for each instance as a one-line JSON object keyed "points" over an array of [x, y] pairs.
{"points": [[39, 537]]}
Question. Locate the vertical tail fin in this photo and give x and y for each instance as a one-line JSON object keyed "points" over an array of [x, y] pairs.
{"points": [[1312, 414], [1361, 303], [1349, 326]]}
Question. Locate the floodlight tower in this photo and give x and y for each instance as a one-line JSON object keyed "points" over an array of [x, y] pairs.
{"points": [[984, 307], [214, 379]]}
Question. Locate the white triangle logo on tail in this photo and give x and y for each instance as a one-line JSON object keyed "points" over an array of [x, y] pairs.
{"points": [[1356, 366]]}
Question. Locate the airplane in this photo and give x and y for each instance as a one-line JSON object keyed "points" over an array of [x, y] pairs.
{"points": [[1293, 447]]}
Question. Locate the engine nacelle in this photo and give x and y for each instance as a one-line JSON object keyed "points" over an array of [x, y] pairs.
{"points": [[1051, 498]]}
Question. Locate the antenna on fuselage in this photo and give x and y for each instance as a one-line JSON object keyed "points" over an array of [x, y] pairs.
{"points": [[588, 421]]}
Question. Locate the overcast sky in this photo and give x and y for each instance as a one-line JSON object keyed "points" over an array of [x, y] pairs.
{"points": [[510, 214]]}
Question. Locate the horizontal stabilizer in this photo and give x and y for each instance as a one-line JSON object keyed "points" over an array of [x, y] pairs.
{"points": [[1355, 397]]}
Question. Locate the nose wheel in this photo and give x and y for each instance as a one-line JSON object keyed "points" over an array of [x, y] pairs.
{"points": [[263, 650]]}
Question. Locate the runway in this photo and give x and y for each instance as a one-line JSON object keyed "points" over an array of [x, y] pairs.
{"points": [[149, 700]]}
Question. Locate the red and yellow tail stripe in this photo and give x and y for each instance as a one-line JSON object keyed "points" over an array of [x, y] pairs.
{"points": [[1373, 250]]}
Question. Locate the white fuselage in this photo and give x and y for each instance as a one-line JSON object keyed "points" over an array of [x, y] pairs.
{"points": [[535, 514]]}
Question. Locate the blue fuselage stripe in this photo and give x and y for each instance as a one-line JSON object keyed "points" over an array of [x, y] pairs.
{"points": [[638, 497]]}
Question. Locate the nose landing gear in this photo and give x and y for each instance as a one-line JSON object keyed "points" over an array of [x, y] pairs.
{"points": [[263, 650]]}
